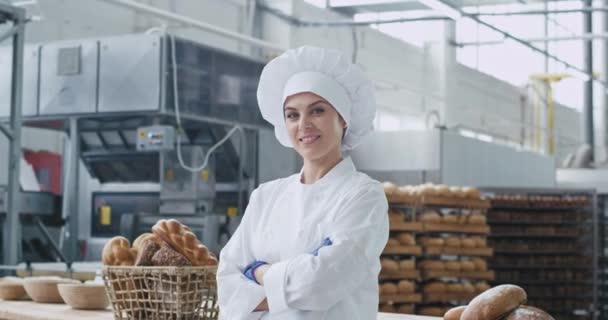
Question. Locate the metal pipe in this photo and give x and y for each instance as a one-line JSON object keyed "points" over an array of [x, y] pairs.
{"points": [[12, 231], [73, 190], [347, 23], [588, 126], [151, 10], [539, 12], [586, 36]]}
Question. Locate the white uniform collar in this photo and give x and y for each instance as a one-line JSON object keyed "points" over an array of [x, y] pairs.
{"points": [[343, 167]]}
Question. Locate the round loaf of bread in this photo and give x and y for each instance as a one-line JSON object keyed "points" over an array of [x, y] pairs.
{"points": [[482, 286], [472, 193], [468, 243], [449, 218], [477, 219], [430, 217], [117, 252], [405, 191], [454, 313], [468, 288], [432, 265], [392, 242], [389, 188], [435, 287], [409, 264], [146, 252], [406, 286], [453, 242], [480, 264], [452, 265], [442, 190], [389, 265], [528, 313], [432, 242], [389, 288], [467, 266], [454, 287], [407, 239], [480, 242], [495, 303]]}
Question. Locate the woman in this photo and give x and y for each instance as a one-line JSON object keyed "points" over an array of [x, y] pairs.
{"points": [[308, 245]]}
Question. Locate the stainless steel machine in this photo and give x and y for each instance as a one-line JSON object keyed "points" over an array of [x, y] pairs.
{"points": [[123, 102]]}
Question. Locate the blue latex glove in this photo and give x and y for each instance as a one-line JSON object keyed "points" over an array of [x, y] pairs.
{"points": [[250, 270], [326, 242]]}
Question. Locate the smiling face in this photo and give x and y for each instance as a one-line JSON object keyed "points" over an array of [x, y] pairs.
{"points": [[315, 128]]}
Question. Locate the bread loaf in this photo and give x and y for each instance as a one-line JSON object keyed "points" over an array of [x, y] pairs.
{"points": [[389, 188], [449, 218], [528, 313], [454, 313], [406, 191], [117, 252], [467, 266], [495, 303], [452, 265], [453, 242], [435, 287], [407, 239], [472, 193], [454, 287], [392, 242], [480, 264], [181, 239], [480, 242], [468, 243], [409, 264], [432, 242], [389, 288], [430, 217], [477, 219], [482, 286], [137, 244], [468, 288], [389, 265], [432, 265], [146, 252], [166, 256], [406, 286]]}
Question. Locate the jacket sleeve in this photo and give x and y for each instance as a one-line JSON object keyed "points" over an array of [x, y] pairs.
{"points": [[359, 235], [237, 295]]}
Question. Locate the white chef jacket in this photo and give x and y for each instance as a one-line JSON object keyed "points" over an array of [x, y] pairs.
{"points": [[283, 224]]}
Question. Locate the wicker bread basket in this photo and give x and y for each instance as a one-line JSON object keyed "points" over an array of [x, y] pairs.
{"points": [[161, 293]]}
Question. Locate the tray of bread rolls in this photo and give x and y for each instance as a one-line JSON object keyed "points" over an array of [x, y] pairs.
{"points": [[435, 195], [166, 274]]}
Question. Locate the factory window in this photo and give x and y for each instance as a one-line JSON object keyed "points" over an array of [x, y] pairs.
{"points": [[415, 33], [513, 62]]}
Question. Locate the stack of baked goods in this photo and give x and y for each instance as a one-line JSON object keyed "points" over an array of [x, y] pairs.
{"points": [[170, 244], [397, 193], [501, 302]]}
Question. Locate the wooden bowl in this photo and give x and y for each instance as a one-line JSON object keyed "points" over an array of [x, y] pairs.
{"points": [[11, 288], [84, 296], [44, 289]]}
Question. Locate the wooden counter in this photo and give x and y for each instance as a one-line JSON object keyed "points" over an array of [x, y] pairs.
{"points": [[28, 310]]}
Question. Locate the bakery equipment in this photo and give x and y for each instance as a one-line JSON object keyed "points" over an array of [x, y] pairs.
{"points": [[103, 91]]}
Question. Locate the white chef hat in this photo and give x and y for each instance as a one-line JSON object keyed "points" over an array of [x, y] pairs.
{"points": [[327, 73]]}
